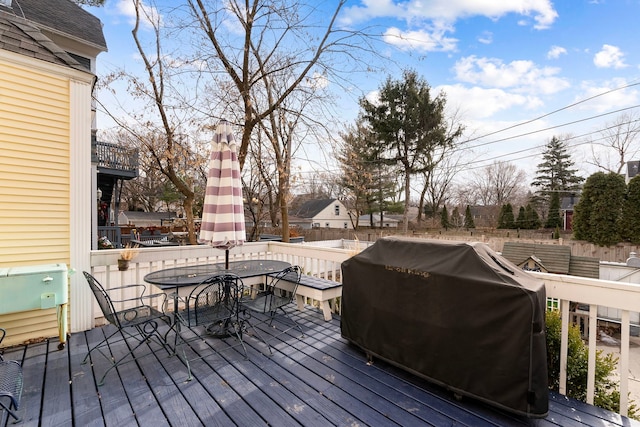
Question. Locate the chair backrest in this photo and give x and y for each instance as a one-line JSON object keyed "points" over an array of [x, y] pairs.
{"points": [[104, 301], [290, 274], [222, 290]]}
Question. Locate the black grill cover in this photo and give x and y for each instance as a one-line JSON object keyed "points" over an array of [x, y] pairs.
{"points": [[455, 313]]}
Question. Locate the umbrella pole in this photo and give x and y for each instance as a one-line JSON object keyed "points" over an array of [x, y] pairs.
{"points": [[226, 259]]}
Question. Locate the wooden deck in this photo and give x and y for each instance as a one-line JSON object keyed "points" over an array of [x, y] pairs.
{"points": [[319, 380]]}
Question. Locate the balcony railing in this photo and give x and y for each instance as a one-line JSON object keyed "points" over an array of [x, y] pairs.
{"points": [[326, 262], [118, 160]]}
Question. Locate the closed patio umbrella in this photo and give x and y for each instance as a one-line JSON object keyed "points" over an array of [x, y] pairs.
{"points": [[223, 211]]}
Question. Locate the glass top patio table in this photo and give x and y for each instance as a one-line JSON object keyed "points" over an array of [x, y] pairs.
{"points": [[191, 275]]}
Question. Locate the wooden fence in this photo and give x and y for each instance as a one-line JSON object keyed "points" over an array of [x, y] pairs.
{"points": [[494, 238]]}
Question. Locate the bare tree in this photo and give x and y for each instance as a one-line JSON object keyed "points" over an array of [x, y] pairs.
{"points": [[498, 184], [283, 49], [441, 167], [619, 142], [161, 127], [277, 44]]}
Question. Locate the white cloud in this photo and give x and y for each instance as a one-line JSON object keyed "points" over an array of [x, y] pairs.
{"points": [[148, 15], [609, 57], [477, 103], [486, 37], [611, 100], [421, 40], [521, 75], [541, 11], [555, 52]]}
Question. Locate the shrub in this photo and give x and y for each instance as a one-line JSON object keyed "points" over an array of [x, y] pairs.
{"points": [[607, 395]]}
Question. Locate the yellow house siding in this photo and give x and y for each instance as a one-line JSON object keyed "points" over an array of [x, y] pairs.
{"points": [[35, 183]]}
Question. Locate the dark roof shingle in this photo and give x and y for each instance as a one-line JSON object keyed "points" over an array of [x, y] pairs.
{"points": [[61, 16], [20, 36], [312, 208]]}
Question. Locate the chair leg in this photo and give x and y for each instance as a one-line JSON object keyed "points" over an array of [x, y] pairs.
{"points": [[146, 336], [97, 346], [6, 412], [272, 315], [259, 335]]}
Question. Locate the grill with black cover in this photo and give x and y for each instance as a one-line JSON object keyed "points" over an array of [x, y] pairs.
{"points": [[455, 313]]}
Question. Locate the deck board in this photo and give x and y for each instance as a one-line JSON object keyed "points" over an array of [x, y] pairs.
{"points": [[315, 380]]}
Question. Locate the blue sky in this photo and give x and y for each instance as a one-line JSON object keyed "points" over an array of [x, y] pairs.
{"points": [[500, 63]]}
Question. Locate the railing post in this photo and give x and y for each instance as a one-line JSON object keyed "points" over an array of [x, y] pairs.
{"points": [[624, 363], [564, 345], [591, 365]]}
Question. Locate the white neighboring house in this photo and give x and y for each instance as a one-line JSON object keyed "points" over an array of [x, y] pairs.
{"points": [[387, 221], [321, 213]]}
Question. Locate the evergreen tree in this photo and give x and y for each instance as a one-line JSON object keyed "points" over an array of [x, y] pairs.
{"points": [[506, 219], [444, 218], [556, 172], [409, 125], [521, 221], [468, 219], [553, 217], [532, 217], [629, 223], [456, 219], [597, 215]]}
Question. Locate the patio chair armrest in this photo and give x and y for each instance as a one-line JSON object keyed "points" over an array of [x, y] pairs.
{"points": [[160, 295], [136, 285], [140, 299]]}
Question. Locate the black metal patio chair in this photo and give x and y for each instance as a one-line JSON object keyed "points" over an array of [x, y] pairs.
{"points": [[211, 309], [137, 319], [272, 300], [10, 387]]}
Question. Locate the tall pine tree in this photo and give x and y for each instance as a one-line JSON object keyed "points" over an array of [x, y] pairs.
{"points": [[554, 219], [556, 174], [468, 219], [444, 218], [506, 219]]}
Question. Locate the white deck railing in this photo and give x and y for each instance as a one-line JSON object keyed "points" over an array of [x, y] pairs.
{"points": [[325, 262]]}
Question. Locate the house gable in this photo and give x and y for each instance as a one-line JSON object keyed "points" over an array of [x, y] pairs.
{"points": [[324, 213]]}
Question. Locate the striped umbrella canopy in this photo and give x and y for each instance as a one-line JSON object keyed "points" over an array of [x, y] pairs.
{"points": [[223, 212]]}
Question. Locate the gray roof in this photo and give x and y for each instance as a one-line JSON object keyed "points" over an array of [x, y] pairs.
{"points": [[567, 203], [312, 208], [555, 258], [63, 17], [20, 36]]}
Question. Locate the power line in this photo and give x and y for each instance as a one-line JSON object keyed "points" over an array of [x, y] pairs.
{"points": [[555, 111]]}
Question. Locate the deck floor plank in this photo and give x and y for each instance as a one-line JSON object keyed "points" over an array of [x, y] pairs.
{"points": [[116, 408], [85, 399], [232, 374], [33, 368], [56, 401], [316, 380], [307, 385], [379, 388]]}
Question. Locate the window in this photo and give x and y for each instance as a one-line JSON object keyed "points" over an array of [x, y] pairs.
{"points": [[315, 225], [326, 224], [337, 209]]}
